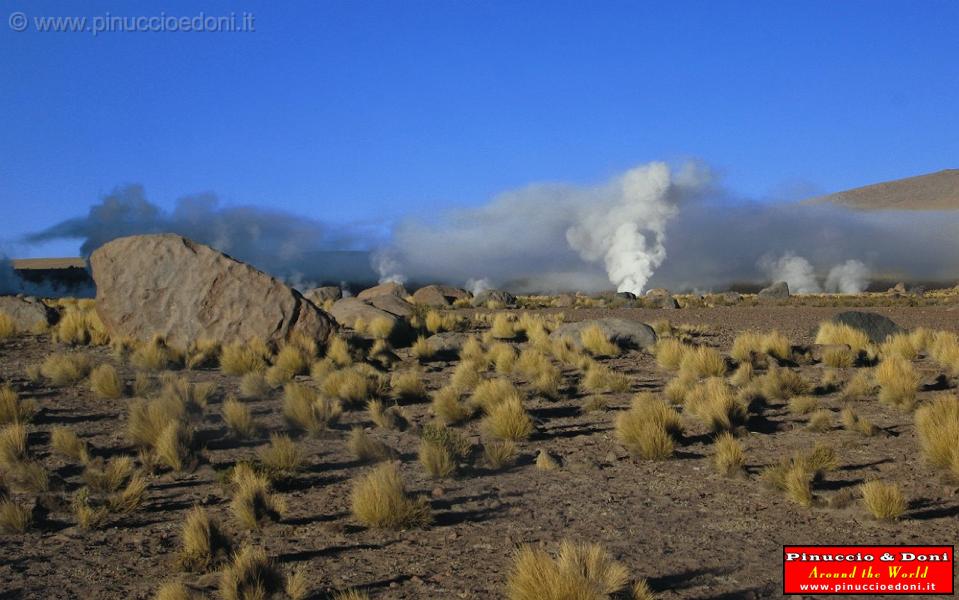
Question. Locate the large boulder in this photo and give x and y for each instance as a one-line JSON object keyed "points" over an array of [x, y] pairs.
{"points": [[27, 312], [630, 335], [390, 287], [320, 295], [439, 295], [496, 296], [776, 291], [348, 310], [875, 326], [393, 305], [169, 285]]}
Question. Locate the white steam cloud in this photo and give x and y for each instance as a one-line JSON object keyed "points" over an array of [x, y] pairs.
{"points": [[850, 277]]}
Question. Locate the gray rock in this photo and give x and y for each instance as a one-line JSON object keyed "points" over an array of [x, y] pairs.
{"points": [[624, 333], [389, 287], [626, 295], [499, 296], [393, 305], [777, 290], [347, 310], [321, 294], [875, 326], [27, 312], [439, 295], [565, 301], [169, 285], [447, 344]]}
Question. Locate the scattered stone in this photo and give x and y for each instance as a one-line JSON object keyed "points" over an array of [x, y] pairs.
{"points": [[321, 294], [626, 295], [657, 293], [169, 285], [394, 305], [780, 289], [390, 287], [498, 296], [27, 312], [347, 310], [565, 300], [875, 326], [439, 295], [624, 333]]}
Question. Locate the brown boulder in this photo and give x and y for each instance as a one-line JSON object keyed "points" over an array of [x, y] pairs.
{"points": [[439, 295], [321, 294], [166, 284], [27, 312], [390, 287], [393, 305], [348, 310]]}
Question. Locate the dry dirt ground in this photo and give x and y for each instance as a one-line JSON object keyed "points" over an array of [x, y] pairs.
{"points": [[692, 532]]}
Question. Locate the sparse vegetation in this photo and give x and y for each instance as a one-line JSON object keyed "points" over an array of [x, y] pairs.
{"points": [[884, 501], [596, 342], [937, 426], [379, 500], [239, 418], [250, 576], [254, 504], [649, 428], [13, 409], [715, 403], [898, 382], [63, 368], [508, 420], [282, 456], [304, 409], [367, 449], [240, 359], [728, 455], [66, 443], [578, 571], [835, 334]]}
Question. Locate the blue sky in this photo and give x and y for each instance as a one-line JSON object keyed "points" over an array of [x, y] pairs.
{"points": [[369, 111]]}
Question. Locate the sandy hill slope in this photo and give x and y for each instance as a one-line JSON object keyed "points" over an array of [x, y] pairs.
{"points": [[935, 191]]}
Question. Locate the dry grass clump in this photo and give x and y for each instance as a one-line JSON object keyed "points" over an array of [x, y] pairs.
{"points": [[937, 425], [648, 430], [944, 349], [858, 387], [202, 541], [381, 328], [241, 358], [669, 353], [250, 576], [492, 392], [367, 449], [14, 517], [898, 382], [782, 384], [884, 501], [88, 514], [349, 385], [795, 475], [508, 420], [503, 327], [254, 385], [580, 571], [66, 443], [157, 355], [499, 454], [728, 455], [304, 409], [746, 347], [13, 444], [253, 502], [542, 374], [678, 389], [408, 385], [107, 477], [901, 345], [65, 369], [8, 328], [239, 418], [174, 590], [422, 349], [338, 351], [203, 353], [379, 500], [839, 358], [820, 420], [831, 333], [81, 326], [172, 447], [448, 408], [436, 322], [149, 419], [853, 422], [438, 461], [742, 375], [702, 361], [716, 405], [13, 409], [803, 405], [596, 342], [545, 461], [387, 417], [466, 375], [105, 382], [601, 379], [282, 456], [502, 356], [289, 362], [776, 345], [472, 350]]}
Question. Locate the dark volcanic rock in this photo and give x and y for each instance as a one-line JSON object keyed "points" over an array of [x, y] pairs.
{"points": [[498, 296], [777, 290], [876, 326], [623, 333]]}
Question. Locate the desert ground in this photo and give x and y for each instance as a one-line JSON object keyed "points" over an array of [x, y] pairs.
{"points": [[664, 509]]}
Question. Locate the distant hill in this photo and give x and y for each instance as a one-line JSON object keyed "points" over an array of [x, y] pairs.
{"points": [[935, 191]]}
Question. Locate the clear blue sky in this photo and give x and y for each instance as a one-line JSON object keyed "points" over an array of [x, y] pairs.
{"points": [[356, 111]]}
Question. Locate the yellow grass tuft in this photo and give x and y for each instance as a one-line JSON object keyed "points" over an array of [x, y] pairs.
{"points": [[448, 407], [803, 405], [649, 428], [203, 353], [295, 585], [131, 497], [88, 515], [172, 447], [385, 417], [174, 590], [831, 333], [776, 345], [728, 455], [884, 501], [746, 347], [290, 361], [14, 517], [714, 403], [503, 327], [282, 456], [466, 375], [798, 485], [381, 328], [367, 449], [502, 356], [351, 595], [108, 477], [81, 326], [900, 345], [66, 443], [595, 342], [8, 328], [65, 369], [422, 349], [253, 503], [492, 392], [250, 576], [858, 387], [820, 420], [239, 418], [350, 385], [702, 361], [545, 461], [304, 409], [202, 541], [853, 422], [253, 385], [438, 461], [742, 375], [508, 420], [472, 350], [13, 445], [408, 385], [898, 382], [105, 382], [579, 571], [782, 384], [600, 379], [937, 426], [157, 355], [499, 454], [379, 500], [13, 409], [944, 349], [839, 358], [239, 358], [669, 353]]}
